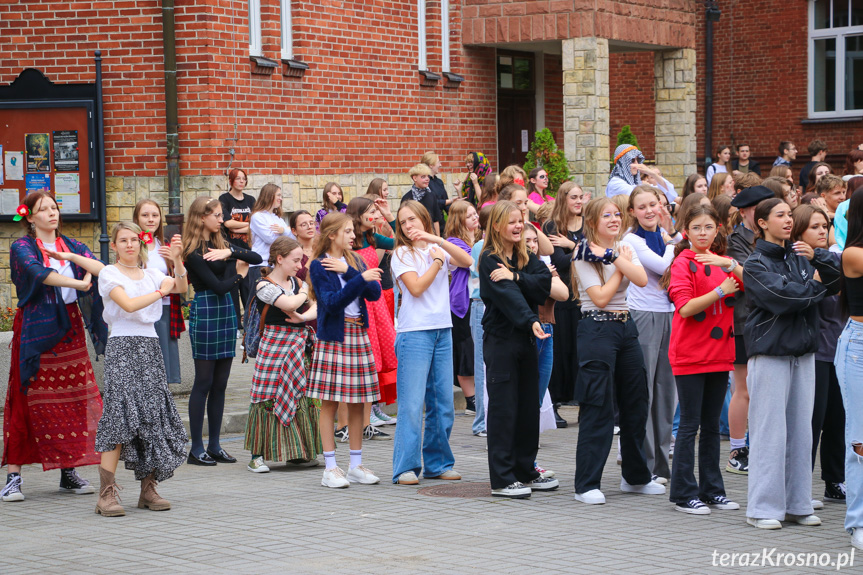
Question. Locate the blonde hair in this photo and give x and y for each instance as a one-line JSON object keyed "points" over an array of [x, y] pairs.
{"points": [[420, 170], [332, 224], [622, 203], [591, 213], [193, 229], [543, 213], [134, 228], [429, 159], [456, 224], [494, 243], [716, 184], [508, 175]]}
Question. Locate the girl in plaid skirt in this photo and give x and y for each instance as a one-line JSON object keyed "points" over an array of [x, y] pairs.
{"points": [[283, 423], [215, 268], [343, 366]]}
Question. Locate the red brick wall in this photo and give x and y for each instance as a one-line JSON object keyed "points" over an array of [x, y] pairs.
{"points": [[359, 108], [554, 96], [760, 82], [632, 99]]}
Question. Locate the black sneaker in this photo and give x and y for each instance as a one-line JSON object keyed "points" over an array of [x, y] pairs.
{"points": [[12, 490], [558, 420], [721, 502], [515, 490], [342, 434], [543, 484], [834, 491], [71, 482], [470, 405], [693, 507], [374, 433], [738, 461]]}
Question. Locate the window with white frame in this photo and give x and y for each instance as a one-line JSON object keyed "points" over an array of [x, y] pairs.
{"points": [[255, 45], [286, 35], [422, 62], [835, 58]]}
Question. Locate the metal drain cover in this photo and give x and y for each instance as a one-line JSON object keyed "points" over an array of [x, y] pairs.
{"points": [[457, 489]]}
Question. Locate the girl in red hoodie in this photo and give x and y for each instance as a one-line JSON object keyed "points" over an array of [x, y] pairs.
{"points": [[702, 287]]}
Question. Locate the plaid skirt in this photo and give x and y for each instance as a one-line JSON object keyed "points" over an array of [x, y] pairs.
{"points": [[344, 370], [279, 371], [213, 326]]}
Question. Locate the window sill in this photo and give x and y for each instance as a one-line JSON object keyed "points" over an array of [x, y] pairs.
{"points": [[453, 80], [294, 68], [832, 120], [263, 66], [428, 78]]}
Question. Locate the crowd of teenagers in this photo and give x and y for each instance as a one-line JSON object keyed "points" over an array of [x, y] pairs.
{"points": [[640, 306]]}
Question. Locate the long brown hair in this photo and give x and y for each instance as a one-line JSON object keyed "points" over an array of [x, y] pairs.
{"points": [[375, 186], [802, 216], [328, 187], [560, 215], [717, 247], [193, 229], [456, 224], [494, 244], [158, 233], [356, 208], [31, 201], [420, 212], [715, 187], [331, 225], [265, 200], [591, 214], [762, 212], [688, 203]]}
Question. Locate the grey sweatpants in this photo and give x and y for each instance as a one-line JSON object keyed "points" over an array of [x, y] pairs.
{"points": [[781, 400], [654, 332]]}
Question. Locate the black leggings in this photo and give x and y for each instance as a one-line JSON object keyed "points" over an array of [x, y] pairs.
{"points": [[211, 381]]}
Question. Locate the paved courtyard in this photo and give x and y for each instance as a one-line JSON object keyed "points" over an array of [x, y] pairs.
{"points": [[228, 520]]}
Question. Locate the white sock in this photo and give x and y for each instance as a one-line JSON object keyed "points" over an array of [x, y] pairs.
{"points": [[356, 457], [737, 443], [330, 459]]}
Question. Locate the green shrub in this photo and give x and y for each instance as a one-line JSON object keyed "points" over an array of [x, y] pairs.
{"points": [[545, 154], [625, 136]]}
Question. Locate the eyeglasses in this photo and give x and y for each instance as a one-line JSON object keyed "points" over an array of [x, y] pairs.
{"points": [[697, 229], [306, 225], [543, 177], [609, 216]]}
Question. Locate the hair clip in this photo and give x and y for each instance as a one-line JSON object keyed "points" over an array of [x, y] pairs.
{"points": [[22, 211], [146, 237]]}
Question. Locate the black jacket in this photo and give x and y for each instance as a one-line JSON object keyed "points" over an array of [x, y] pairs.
{"points": [[438, 188], [783, 294], [740, 247], [753, 166], [511, 306]]}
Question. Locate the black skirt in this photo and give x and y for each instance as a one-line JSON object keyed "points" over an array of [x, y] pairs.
{"points": [[462, 345]]}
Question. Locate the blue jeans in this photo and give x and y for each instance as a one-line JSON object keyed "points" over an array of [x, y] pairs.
{"points": [[545, 348], [425, 375], [477, 310], [849, 366]]}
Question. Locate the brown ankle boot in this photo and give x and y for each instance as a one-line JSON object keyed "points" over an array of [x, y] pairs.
{"points": [[109, 495], [149, 498]]}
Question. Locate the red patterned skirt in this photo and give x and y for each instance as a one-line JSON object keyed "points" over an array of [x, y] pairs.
{"points": [[55, 422], [344, 370], [382, 334]]}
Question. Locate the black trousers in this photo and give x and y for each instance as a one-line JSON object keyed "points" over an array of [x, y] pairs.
{"points": [[240, 293], [828, 423], [512, 380], [610, 361], [701, 396], [564, 368]]}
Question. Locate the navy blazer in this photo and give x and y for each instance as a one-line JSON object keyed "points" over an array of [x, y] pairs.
{"points": [[332, 298]]}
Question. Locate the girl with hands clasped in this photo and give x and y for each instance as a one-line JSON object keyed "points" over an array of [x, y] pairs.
{"points": [[343, 365], [513, 283], [702, 287], [782, 335], [140, 423], [266, 225], [609, 355], [424, 346]]}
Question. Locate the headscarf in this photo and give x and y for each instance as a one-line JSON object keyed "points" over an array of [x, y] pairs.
{"points": [[481, 168], [624, 155], [418, 193]]}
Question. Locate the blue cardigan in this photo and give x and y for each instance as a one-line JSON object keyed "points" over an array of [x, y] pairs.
{"points": [[333, 298]]}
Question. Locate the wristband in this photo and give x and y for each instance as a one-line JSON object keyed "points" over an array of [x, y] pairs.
{"points": [[439, 260], [158, 291], [185, 271], [719, 291], [731, 267]]}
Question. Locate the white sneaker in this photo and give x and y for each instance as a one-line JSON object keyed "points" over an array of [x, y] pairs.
{"points": [[592, 497], [12, 490], [379, 413], [659, 480], [807, 520], [817, 504], [363, 475], [257, 465], [650, 488], [857, 538], [335, 478], [375, 421], [764, 523]]}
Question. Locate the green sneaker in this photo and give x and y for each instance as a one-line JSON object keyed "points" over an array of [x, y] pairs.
{"points": [[257, 465]]}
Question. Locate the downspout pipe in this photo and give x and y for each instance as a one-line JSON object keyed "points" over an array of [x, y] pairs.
{"points": [[711, 15], [104, 240], [175, 211]]}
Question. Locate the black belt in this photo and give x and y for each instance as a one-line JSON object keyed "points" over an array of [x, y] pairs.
{"points": [[601, 315]]}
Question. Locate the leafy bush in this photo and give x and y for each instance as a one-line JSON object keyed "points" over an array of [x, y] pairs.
{"points": [[545, 154], [625, 136]]}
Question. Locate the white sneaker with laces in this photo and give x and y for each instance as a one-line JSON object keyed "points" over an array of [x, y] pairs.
{"points": [[12, 490], [386, 419], [649, 488], [807, 520], [257, 465], [335, 478], [374, 420], [857, 538], [363, 475], [764, 523], [592, 497]]}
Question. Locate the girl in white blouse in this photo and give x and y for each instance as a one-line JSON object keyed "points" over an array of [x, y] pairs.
{"points": [[266, 225]]}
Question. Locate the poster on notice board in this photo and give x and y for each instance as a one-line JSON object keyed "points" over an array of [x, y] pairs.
{"points": [[37, 183], [66, 151], [37, 147], [13, 162]]}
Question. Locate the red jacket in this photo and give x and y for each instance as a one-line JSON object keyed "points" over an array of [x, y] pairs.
{"points": [[702, 343]]}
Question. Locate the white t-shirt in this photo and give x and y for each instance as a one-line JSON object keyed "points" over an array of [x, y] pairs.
{"points": [[650, 297], [64, 268], [123, 323], [431, 309], [588, 277], [157, 262], [712, 170], [263, 237], [617, 186]]}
